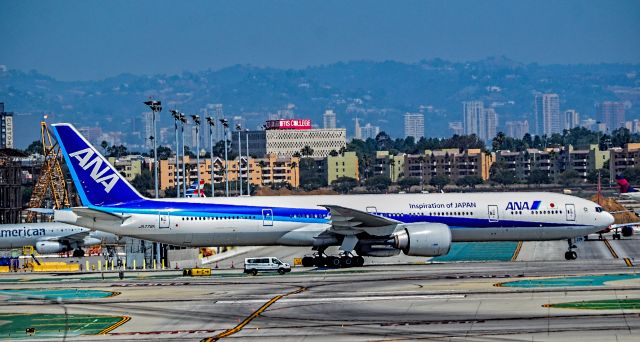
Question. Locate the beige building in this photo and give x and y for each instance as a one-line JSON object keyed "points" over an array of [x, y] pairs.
{"points": [[624, 158], [129, 166], [389, 165], [449, 163], [342, 165], [288, 142], [261, 171]]}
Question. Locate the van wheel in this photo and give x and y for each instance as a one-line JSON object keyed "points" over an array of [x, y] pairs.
{"points": [[254, 272], [281, 271]]}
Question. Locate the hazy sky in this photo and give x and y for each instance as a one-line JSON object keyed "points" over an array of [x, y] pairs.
{"points": [[78, 40]]}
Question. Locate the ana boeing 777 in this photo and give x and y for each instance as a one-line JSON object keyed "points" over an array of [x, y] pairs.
{"points": [[361, 225]]}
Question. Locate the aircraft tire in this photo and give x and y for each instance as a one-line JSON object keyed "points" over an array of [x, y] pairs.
{"points": [[78, 253], [333, 261], [346, 261], [359, 261], [307, 261], [567, 255], [320, 261]]}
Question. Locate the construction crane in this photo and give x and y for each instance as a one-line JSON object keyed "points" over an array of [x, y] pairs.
{"points": [[51, 178]]}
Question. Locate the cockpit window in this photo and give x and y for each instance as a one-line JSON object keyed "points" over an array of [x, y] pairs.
{"points": [[599, 209]]}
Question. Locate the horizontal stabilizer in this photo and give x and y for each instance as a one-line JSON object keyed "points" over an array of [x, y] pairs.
{"points": [[98, 214]]}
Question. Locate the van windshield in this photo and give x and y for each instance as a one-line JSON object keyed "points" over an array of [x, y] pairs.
{"points": [[277, 262]]}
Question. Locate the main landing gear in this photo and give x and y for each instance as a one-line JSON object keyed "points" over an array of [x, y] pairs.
{"points": [[340, 261], [571, 254]]}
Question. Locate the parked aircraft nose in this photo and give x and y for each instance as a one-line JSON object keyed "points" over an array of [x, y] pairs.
{"points": [[608, 218]]}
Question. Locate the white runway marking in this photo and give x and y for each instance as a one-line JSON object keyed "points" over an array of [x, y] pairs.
{"points": [[343, 299]]}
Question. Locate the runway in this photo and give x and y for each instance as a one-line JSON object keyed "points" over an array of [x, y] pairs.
{"points": [[409, 299]]}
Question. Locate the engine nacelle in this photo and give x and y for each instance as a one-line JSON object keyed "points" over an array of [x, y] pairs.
{"points": [[48, 247], [627, 231], [424, 239]]}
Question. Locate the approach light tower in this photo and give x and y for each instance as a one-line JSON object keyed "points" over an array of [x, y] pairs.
{"points": [[212, 123], [176, 118], [225, 124], [156, 107], [196, 120]]}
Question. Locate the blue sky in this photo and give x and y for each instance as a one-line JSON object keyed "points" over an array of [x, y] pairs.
{"points": [[81, 40]]}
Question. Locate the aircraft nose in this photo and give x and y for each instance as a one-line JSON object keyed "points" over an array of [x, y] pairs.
{"points": [[608, 218]]}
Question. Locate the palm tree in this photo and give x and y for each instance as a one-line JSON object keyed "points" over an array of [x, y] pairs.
{"points": [[293, 167], [307, 151]]}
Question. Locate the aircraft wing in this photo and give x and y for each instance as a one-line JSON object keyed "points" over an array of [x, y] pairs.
{"points": [[348, 221], [620, 225]]}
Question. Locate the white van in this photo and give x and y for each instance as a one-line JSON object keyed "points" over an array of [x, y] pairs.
{"points": [[267, 264]]}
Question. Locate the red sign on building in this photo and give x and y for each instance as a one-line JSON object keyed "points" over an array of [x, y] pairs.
{"points": [[289, 124]]}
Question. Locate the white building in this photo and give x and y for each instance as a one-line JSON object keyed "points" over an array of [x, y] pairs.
{"points": [[547, 114], [329, 118], [414, 125], [287, 142], [474, 119], [369, 131], [517, 129], [492, 123], [571, 119]]}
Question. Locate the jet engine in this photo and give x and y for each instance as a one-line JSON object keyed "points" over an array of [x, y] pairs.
{"points": [[423, 239], [627, 231], [48, 247]]}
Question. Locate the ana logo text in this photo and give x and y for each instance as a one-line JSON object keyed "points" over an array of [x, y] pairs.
{"points": [[523, 205], [86, 159]]}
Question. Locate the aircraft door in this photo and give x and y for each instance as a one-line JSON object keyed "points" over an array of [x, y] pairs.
{"points": [[372, 210], [493, 213], [571, 212], [164, 220], [267, 217]]}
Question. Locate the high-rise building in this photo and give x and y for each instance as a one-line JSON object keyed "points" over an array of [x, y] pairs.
{"points": [[369, 131], [357, 134], [6, 127], [571, 119], [474, 119], [456, 127], [492, 123], [517, 129], [547, 114], [329, 117], [611, 113], [414, 125], [147, 121]]}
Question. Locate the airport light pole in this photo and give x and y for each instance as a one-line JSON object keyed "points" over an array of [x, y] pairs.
{"points": [[212, 123], [225, 124], [185, 179], [248, 174], [239, 129], [156, 107], [196, 120], [176, 118]]}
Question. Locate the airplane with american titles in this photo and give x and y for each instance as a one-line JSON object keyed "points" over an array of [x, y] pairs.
{"points": [[361, 225]]}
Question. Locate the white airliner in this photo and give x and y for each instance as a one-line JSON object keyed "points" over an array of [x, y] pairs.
{"points": [[52, 237], [369, 225]]}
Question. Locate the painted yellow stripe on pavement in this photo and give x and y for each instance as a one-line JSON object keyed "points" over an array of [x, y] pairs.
{"points": [[517, 251], [628, 262], [124, 320], [613, 252], [251, 317]]}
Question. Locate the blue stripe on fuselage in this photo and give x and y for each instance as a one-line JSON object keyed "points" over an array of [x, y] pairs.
{"points": [[302, 215]]}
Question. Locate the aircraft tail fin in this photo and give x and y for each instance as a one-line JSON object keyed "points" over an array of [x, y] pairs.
{"points": [[97, 181], [624, 185]]}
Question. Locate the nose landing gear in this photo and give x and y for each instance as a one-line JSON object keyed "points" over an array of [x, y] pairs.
{"points": [[571, 254]]}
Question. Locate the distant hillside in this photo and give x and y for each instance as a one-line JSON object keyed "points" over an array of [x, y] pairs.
{"points": [[376, 92]]}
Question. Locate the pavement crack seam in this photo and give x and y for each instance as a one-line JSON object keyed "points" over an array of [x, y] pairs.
{"points": [[251, 317]]}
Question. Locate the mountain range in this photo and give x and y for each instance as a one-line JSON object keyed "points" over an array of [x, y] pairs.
{"points": [[375, 92]]}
